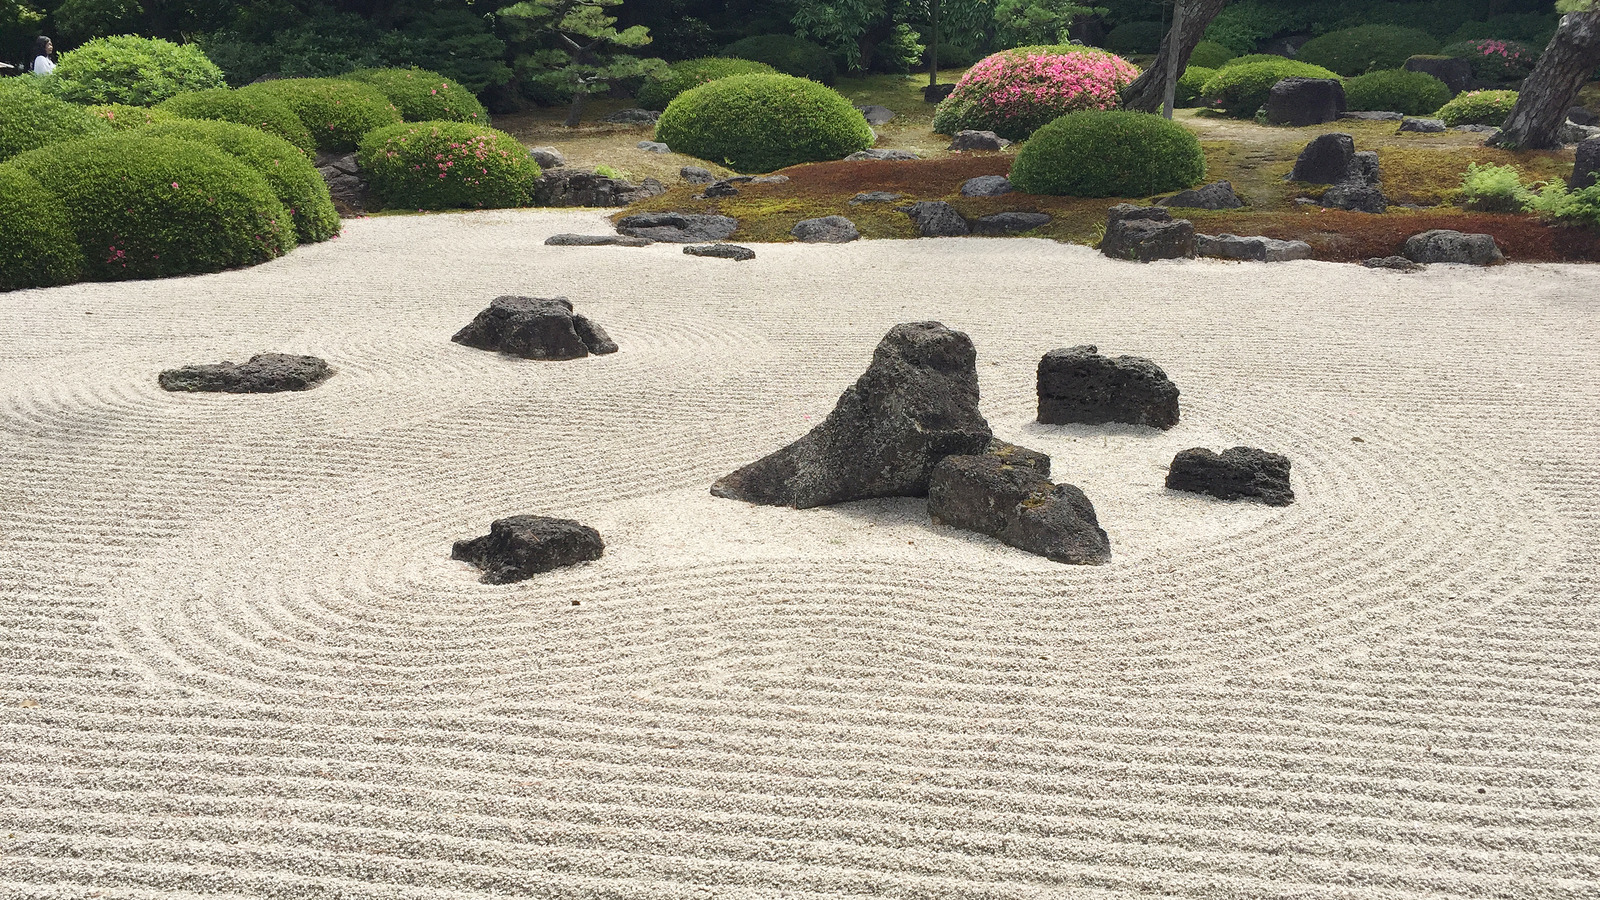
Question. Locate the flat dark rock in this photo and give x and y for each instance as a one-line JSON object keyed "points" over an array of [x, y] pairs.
{"points": [[720, 251], [264, 373], [1147, 233], [936, 218], [875, 197], [963, 141], [1078, 385], [1217, 195], [1456, 73], [1397, 263], [1422, 125], [519, 547], [596, 240], [986, 186], [886, 155], [1355, 196], [876, 115], [535, 328], [696, 175], [1445, 246], [935, 93], [1239, 473], [632, 117], [1009, 222], [566, 187], [1255, 248], [1018, 505], [679, 228], [916, 404], [826, 230]]}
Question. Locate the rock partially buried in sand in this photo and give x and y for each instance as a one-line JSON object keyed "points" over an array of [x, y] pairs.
{"points": [[1397, 263], [916, 404], [826, 230], [1078, 385], [520, 547], [1258, 249], [1146, 234], [596, 240], [936, 218], [1444, 246], [1239, 473], [535, 328], [720, 251], [678, 228], [1019, 505], [264, 373], [1010, 222]]}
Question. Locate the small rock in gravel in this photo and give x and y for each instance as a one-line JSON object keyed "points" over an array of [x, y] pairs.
{"points": [[1009, 222], [1397, 263], [885, 154], [264, 373], [826, 230], [653, 147], [596, 240], [535, 328], [720, 251], [519, 547], [986, 186], [548, 157], [1018, 505], [1078, 385], [1239, 473]]}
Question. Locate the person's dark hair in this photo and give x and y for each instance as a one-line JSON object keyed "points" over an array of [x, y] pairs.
{"points": [[41, 46]]}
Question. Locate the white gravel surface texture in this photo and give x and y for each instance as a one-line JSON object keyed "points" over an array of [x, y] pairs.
{"points": [[237, 661]]}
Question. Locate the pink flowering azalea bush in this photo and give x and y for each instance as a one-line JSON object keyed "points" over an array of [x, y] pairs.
{"points": [[424, 96], [447, 165], [1496, 60], [1015, 92]]}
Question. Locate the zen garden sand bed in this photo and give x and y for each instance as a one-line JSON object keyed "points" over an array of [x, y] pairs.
{"points": [[238, 661]]}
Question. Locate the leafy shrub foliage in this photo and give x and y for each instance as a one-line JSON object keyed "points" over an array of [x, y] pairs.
{"points": [[1396, 90], [294, 181], [257, 109], [424, 96], [1014, 92], [1190, 84], [758, 123], [1563, 207], [1135, 37], [1241, 90], [1109, 153], [145, 208], [30, 119], [1210, 55], [133, 70], [122, 117], [1366, 48], [1491, 188], [447, 165], [1528, 28], [1496, 60], [1478, 108], [337, 112], [37, 245], [788, 54], [657, 92], [1252, 58]]}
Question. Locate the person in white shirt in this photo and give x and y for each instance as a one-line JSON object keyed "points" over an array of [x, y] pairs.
{"points": [[42, 51]]}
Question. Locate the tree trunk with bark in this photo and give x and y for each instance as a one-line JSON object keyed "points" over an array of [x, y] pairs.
{"points": [[1542, 103], [1148, 91]]}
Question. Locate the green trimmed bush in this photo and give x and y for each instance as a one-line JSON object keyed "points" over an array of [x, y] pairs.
{"points": [[1366, 48], [133, 70], [657, 92], [147, 208], [37, 245], [122, 117], [1533, 29], [758, 123], [257, 109], [424, 96], [1497, 60], [337, 112], [447, 165], [788, 54], [1190, 84], [30, 119], [1478, 108], [1109, 153], [1135, 37], [1210, 55], [1241, 90], [1249, 58], [1014, 92], [296, 183], [1396, 90]]}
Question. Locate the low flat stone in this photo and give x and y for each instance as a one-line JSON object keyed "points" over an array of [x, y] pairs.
{"points": [[875, 197], [1239, 473], [1422, 125], [264, 373], [1078, 385], [720, 251], [964, 141], [534, 328], [1019, 506], [679, 228], [886, 155], [986, 186], [1258, 249], [548, 157], [1009, 222], [596, 240], [1372, 115], [1397, 263], [520, 547], [653, 147], [632, 117], [770, 179], [1147, 233], [696, 175], [876, 115], [722, 188], [585, 187], [936, 218], [1217, 195], [1477, 129], [1442, 245], [826, 230], [1355, 196]]}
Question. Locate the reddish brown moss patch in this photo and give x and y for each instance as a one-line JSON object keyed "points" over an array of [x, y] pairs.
{"points": [[1340, 236]]}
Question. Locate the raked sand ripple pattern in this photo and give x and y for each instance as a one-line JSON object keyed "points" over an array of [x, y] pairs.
{"points": [[236, 660]]}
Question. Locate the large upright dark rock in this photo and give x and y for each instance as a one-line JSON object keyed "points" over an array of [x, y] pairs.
{"points": [[679, 228], [534, 328], [1587, 167], [1240, 473], [1018, 504], [1079, 385], [1305, 101], [1326, 160], [519, 547], [265, 373], [1146, 233], [916, 404], [1456, 73]]}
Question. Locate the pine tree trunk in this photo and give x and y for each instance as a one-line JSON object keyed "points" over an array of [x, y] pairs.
{"points": [[1147, 92], [1542, 103], [575, 111]]}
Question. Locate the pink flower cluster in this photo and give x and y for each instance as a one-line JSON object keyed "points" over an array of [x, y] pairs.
{"points": [[1026, 85]]}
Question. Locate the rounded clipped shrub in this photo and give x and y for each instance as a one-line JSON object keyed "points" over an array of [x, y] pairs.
{"points": [[1014, 92], [1209, 55], [30, 119], [424, 96], [134, 70], [447, 165], [145, 208], [1241, 90], [758, 123], [1534, 29], [1109, 153], [257, 109], [337, 112], [1366, 48], [788, 54], [1496, 60], [37, 245], [1190, 84], [1136, 37], [294, 181], [122, 117], [1249, 58], [657, 92], [1396, 90], [1478, 108]]}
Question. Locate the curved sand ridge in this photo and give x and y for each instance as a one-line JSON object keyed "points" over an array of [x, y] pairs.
{"points": [[237, 660]]}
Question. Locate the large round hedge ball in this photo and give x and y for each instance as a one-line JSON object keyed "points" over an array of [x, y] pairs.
{"points": [[1109, 153], [759, 123], [1396, 90], [146, 208], [1478, 108], [657, 92], [424, 96], [1366, 48], [338, 112], [258, 109], [296, 183], [37, 244], [1241, 89], [135, 70], [447, 165], [30, 119]]}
